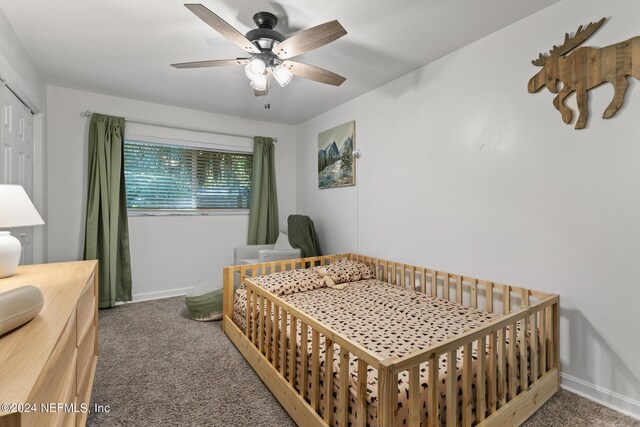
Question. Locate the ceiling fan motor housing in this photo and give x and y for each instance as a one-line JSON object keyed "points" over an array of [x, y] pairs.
{"points": [[265, 37], [265, 20]]}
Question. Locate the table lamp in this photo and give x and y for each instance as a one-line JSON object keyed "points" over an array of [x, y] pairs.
{"points": [[16, 210]]}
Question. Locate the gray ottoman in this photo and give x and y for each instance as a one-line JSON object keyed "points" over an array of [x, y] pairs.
{"points": [[204, 302]]}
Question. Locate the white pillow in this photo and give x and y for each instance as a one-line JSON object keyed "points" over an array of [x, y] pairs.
{"points": [[282, 242], [18, 306]]}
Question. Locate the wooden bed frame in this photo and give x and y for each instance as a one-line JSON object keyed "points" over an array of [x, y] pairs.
{"points": [[500, 400]]}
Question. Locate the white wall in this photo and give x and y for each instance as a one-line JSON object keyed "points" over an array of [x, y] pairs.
{"points": [[465, 171], [168, 254], [18, 69]]}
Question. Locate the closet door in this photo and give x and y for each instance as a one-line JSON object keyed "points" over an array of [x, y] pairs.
{"points": [[16, 158]]}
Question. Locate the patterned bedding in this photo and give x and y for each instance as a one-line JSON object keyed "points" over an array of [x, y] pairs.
{"points": [[386, 320]]}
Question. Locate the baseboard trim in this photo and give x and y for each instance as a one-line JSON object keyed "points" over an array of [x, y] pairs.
{"points": [[605, 397], [146, 296]]}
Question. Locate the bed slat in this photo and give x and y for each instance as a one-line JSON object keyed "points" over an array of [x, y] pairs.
{"points": [[283, 342], [412, 278], [489, 296], [555, 316], [474, 292], [343, 401], [467, 376], [304, 359], [328, 381], [434, 283], [267, 349], [549, 338], [452, 388], [533, 338], [254, 315], [248, 315], [385, 276], [543, 343], [361, 400], [261, 324], [293, 350], [524, 381], [524, 297], [315, 369], [434, 393], [506, 299], [502, 366], [481, 406], [445, 286], [276, 336], [243, 273], [228, 293], [512, 361], [415, 402], [492, 391], [394, 273]]}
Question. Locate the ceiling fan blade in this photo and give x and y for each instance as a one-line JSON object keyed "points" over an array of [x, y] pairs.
{"points": [[312, 72], [310, 39], [221, 26], [212, 63]]}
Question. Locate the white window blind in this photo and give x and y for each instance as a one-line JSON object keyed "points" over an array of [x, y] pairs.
{"points": [[175, 177]]}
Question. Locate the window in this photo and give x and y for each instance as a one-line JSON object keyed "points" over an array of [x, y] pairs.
{"points": [[174, 177]]}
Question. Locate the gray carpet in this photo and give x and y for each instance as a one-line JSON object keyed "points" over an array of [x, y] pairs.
{"points": [[158, 368]]}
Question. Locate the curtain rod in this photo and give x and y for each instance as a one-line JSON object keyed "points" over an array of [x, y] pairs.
{"points": [[145, 122], [3, 83]]}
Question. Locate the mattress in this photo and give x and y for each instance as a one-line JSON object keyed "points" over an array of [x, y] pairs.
{"points": [[387, 320]]}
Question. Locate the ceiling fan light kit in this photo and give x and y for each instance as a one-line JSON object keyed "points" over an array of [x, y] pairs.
{"points": [[282, 75], [255, 69], [270, 50], [260, 82]]}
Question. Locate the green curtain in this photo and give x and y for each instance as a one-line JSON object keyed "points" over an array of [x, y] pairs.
{"points": [[107, 227], [263, 204]]}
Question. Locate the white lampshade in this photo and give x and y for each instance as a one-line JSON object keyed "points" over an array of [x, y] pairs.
{"points": [[282, 75], [16, 209], [255, 69]]}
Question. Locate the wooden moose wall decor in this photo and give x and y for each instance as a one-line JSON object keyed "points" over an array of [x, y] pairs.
{"points": [[585, 68]]}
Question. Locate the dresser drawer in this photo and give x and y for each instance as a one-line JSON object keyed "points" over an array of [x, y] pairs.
{"points": [[84, 396], [50, 384], [85, 384], [86, 353], [70, 418], [57, 382], [86, 310], [57, 414]]}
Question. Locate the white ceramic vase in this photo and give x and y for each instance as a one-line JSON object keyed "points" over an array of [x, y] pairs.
{"points": [[10, 249]]}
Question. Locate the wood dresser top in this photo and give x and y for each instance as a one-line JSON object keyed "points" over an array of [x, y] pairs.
{"points": [[25, 350]]}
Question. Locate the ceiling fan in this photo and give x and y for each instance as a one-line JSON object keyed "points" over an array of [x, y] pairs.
{"points": [[270, 50]]}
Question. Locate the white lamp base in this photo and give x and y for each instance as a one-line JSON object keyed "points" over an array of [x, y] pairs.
{"points": [[10, 249]]}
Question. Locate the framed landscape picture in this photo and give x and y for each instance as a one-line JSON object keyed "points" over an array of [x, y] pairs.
{"points": [[336, 166]]}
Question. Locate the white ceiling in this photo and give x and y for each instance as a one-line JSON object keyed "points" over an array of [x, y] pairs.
{"points": [[124, 47]]}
